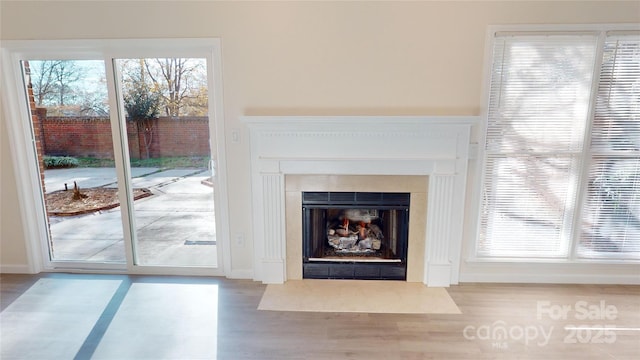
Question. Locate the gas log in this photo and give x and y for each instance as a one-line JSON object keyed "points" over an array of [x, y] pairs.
{"points": [[356, 233]]}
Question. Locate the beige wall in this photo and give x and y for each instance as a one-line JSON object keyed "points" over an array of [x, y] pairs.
{"points": [[13, 254], [307, 58]]}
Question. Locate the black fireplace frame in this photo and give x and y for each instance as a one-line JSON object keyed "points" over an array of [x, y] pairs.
{"points": [[394, 268]]}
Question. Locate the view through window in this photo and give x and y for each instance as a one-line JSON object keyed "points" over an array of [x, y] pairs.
{"points": [[562, 153], [168, 140]]}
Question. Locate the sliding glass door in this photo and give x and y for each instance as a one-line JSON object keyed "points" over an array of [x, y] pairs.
{"points": [[70, 120], [125, 148], [167, 123]]}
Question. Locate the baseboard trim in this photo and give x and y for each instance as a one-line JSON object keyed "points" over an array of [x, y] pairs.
{"points": [[536, 279], [550, 273], [240, 274]]}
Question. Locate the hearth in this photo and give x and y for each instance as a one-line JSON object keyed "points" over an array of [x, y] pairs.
{"points": [[355, 235]]}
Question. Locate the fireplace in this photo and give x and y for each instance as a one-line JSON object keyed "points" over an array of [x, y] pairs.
{"points": [[433, 151], [355, 235]]}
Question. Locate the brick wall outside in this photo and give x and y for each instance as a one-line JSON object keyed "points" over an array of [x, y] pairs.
{"points": [[91, 137], [78, 136], [36, 116], [182, 136]]}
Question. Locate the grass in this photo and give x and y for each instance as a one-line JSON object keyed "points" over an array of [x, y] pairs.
{"points": [[162, 162], [172, 162], [93, 162]]}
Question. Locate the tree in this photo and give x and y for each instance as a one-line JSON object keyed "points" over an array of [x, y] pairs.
{"points": [[43, 80], [142, 105], [57, 83], [66, 74], [93, 101], [93, 104], [182, 83]]}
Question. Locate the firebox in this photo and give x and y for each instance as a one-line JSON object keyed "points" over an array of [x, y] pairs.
{"points": [[355, 235]]}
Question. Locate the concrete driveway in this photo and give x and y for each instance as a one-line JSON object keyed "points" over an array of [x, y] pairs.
{"points": [[55, 179], [174, 227]]}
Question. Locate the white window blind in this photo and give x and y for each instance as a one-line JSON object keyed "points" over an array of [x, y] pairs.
{"points": [[611, 209], [537, 116]]}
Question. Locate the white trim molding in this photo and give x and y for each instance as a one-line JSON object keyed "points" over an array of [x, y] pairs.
{"points": [[437, 147]]}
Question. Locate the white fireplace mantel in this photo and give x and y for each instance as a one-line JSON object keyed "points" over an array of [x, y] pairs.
{"points": [[437, 147]]}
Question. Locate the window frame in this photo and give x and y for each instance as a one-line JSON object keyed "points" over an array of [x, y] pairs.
{"points": [[16, 115], [590, 154], [471, 253]]}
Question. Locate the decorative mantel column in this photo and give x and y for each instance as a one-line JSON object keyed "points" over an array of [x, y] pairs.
{"points": [[441, 196], [433, 146], [273, 228]]}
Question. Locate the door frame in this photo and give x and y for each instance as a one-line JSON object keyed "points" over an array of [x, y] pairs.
{"points": [[21, 140]]}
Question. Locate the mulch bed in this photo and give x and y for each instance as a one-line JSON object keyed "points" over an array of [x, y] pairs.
{"points": [[61, 203]]}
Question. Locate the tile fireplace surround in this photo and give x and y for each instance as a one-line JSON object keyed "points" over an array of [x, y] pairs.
{"points": [[426, 156]]}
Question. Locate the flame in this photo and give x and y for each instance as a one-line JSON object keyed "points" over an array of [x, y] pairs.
{"points": [[363, 229]]}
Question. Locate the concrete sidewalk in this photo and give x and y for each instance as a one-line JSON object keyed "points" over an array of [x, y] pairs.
{"points": [[174, 227], [55, 179]]}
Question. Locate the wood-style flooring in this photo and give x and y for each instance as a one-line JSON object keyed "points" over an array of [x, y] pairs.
{"points": [[498, 321]]}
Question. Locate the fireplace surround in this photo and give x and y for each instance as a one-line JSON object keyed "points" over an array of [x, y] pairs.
{"points": [[433, 151]]}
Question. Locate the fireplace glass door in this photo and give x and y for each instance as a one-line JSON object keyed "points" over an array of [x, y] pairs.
{"points": [[355, 235]]}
